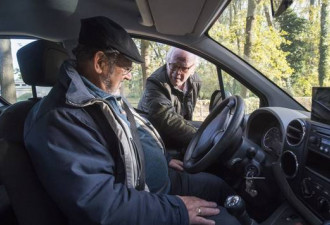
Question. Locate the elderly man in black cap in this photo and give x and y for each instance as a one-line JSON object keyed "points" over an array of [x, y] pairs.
{"points": [[97, 158]]}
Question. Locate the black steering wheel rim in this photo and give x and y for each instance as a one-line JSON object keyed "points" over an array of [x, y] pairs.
{"points": [[229, 114]]}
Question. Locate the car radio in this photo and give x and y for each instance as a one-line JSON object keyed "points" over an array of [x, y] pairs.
{"points": [[315, 182], [319, 140]]}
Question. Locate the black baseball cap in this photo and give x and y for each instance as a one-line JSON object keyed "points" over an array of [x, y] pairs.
{"points": [[101, 32]]}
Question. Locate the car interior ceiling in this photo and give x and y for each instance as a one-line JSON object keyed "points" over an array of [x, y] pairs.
{"points": [[39, 62], [198, 16]]}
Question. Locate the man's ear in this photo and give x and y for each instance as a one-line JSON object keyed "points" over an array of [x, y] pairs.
{"points": [[99, 62]]}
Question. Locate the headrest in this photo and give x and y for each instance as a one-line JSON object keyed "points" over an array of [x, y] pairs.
{"points": [[40, 62]]}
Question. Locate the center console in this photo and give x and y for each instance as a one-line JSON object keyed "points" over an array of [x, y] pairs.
{"points": [[315, 179], [305, 159], [306, 163]]}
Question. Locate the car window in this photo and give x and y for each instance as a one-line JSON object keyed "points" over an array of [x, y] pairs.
{"points": [[12, 87], [154, 54], [234, 87]]}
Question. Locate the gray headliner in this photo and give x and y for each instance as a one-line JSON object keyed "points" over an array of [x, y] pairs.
{"points": [[59, 20]]}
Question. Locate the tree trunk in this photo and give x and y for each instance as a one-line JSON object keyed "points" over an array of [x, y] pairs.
{"points": [[7, 82], [237, 32], [250, 20], [145, 53], [248, 27], [324, 62], [231, 14], [268, 14]]}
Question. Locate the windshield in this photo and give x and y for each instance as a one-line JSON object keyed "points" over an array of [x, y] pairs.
{"points": [[292, 50]]}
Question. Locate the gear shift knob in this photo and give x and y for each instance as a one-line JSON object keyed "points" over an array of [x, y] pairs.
{"points": [[235, 205]]}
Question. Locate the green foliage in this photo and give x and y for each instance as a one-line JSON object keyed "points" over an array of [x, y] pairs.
{"points": [[296, 43], [158, 51], [208, 73], [286, 51], [267, 56], [300, 41]]}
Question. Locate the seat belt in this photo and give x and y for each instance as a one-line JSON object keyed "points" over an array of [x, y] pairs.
{"points": [[136, 141]]}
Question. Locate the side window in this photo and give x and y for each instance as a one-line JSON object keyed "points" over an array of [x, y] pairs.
{"points": [[154, 54], [234, 87], [12, 87], [210, 83]]}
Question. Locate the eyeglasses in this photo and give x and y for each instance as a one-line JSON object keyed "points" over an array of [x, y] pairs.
{"points": [[126, 70], [184, 69], [121, 61]]}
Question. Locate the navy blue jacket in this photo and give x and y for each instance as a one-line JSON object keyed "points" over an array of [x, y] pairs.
{"points": [[81, 169]]}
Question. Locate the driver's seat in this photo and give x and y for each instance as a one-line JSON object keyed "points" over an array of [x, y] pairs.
{"points": [[39, 63]]}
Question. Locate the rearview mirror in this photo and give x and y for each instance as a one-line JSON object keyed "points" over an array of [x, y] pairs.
{"points": [[279, 6]]}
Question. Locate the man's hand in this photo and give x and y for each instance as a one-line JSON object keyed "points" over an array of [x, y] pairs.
{"points": [[176, 164], [198, 208]]}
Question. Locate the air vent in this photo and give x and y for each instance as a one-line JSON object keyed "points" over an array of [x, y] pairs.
{"points": [[295, 132]]}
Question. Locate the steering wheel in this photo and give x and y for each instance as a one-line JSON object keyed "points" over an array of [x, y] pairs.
{"points": [[216, 134]]}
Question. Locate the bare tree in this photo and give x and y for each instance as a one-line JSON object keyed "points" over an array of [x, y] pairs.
{"points": [[324, 63], [145, 53], [250, 20], [235, 8], [7, 82], [268, 14]]}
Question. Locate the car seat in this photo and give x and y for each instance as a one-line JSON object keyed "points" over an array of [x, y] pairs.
{"points": [[39, 63]]}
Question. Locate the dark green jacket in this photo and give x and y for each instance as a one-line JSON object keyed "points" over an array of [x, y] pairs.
{"points": [[169, 109]]}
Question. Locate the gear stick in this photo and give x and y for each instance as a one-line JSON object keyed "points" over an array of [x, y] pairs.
{"points": [[235, 205]]}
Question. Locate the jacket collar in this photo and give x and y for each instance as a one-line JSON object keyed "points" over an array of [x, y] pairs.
{"points": [[77, 92]]}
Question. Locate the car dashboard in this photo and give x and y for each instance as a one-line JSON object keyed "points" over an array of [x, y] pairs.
{"points": [[288, 141], [305, 161]]}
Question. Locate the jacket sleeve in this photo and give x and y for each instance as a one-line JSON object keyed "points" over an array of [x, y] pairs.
{"points": [[76, 168], [163, 116]]}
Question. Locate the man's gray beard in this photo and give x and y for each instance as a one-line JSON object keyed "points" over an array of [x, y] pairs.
{"points": [[106, 81]]}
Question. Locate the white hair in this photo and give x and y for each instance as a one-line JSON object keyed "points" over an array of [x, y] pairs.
{"points": [[172, 49]]}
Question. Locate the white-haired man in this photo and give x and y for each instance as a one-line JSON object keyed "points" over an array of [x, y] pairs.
{"points": [[170, 98]]}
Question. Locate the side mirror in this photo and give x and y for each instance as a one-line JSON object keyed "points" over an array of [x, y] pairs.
{"points": [[279, 6]]}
